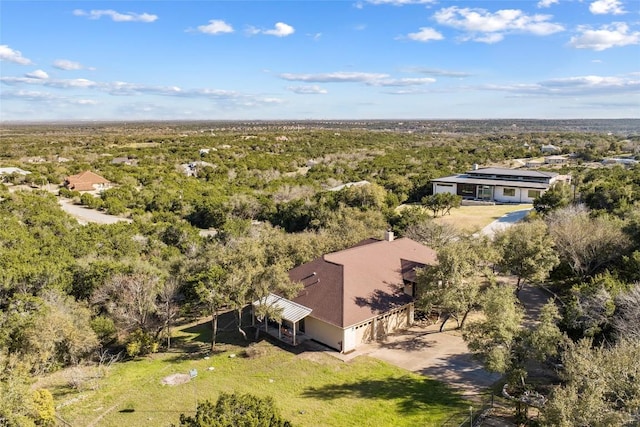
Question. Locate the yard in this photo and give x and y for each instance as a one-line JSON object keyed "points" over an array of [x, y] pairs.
{"points": [[474, 218], [311, 388]]}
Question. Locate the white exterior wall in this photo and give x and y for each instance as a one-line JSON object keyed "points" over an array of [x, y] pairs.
{"points": [[444, 188], [521, 195], [349, 339], [324, 332]]}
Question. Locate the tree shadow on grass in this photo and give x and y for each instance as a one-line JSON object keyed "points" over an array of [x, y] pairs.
{"points": [[414, 395]]}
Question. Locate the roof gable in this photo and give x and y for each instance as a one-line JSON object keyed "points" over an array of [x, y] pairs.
{"points": [[350, 286]]}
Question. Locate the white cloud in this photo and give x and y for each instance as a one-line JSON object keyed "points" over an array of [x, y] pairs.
{"points": [[425, 34], [336, 77], [487, 27], [46, 97], [307, 90], [370, 79], [438, 72], [404, 82], [11, 55], [547, 3], [615, 35], [117, 88], [117, 16], [575, 86], [215, 26], [401, 2], [64, 64], [606, 7], [37, 74], [280, 30]]}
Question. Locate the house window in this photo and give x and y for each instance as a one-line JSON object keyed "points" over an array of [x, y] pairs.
{"points": [[509, 192], [466, 190], [532, 194]]}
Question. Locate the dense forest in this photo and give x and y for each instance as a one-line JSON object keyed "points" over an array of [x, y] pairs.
{"points": [[219, 212]]}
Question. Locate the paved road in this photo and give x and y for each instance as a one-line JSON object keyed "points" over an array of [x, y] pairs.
{"points": [[504, 222], [85, 215]]}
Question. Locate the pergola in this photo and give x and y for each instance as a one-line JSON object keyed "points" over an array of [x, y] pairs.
{"points": [[291, 312]]}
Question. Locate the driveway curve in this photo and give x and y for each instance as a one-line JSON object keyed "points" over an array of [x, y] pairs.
{"points": [[504, 222], [85, 215], [443, 356]]}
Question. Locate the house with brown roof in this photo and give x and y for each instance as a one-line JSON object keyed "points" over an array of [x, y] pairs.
{"points": [[355, 295], [87, 181]]}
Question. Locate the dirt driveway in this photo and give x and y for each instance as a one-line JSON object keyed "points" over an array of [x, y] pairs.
{"points": [[441, 356]]}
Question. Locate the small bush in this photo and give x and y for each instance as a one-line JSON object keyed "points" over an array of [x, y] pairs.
{"points": [[141, 343], [45, 410]]}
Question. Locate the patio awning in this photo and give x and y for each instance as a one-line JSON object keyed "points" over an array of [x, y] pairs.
{"points": [[291, 311]]}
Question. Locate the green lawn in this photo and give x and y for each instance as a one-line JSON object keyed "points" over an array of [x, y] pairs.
{"points": [[310, 388]]}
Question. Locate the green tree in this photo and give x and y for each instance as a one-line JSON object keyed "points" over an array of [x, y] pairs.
{"points": [[453, 285], [494, 338], [441, 203], [600, 388], [526, 250], [556, 197], [233, 410]]}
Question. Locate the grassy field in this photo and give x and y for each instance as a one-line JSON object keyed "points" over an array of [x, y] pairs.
{"points": [[474, 218], [310, 388]]}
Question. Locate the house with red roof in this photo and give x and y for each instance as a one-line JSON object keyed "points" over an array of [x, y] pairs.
{"points": [[355, 295], [87, 181]]}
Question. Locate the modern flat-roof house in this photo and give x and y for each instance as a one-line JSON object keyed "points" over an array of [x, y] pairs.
{"points": [[355, 295], [86, 181], [498, 184]]}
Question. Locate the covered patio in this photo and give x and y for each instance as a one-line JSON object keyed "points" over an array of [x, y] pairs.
{"points": [[288, 329]]}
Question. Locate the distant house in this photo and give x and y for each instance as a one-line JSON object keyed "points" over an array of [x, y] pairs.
{"points": [[87, 181], [550, 148], [355, 295], [620, 161], [498, 184], [555, 160], [12, 170], [124, 161]]}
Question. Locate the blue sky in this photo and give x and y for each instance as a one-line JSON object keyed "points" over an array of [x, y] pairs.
{"points": [[367, 59]]}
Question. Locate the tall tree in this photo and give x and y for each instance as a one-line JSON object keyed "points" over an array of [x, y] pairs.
{"points": [[131, 299], [272, 279], [601, 387], [526, 250], [453, 285], [586, 244], [441, 203]]}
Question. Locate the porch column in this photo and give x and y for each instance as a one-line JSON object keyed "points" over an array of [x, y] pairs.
{"points": [[294, 333], [280, 331]]}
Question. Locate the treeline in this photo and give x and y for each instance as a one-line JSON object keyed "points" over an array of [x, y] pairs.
{"points": [[70, 292]]}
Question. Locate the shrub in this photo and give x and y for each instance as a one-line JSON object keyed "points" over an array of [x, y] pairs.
{"points": [[45, 411], [141, 343]]}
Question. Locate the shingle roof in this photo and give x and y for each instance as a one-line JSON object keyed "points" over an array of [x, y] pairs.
{"points": [[84, 181], [348, 287]]}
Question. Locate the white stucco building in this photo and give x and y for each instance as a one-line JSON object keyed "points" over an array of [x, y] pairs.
{"points": [[498, 184]]}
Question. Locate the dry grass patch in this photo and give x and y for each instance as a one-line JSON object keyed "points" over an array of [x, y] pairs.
{"points": [[474, 218]]}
